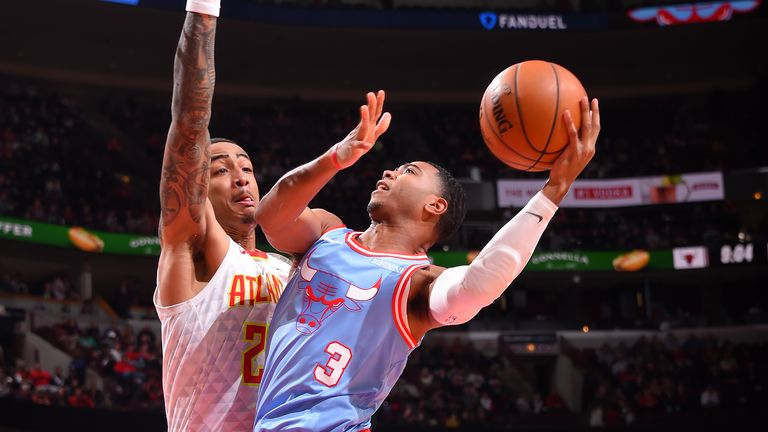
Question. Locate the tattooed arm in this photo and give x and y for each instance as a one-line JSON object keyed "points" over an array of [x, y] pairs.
{"points": [[191, 239]]}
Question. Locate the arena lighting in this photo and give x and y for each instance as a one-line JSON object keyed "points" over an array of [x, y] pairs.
{"points": [[757, 195], [692, 13]]}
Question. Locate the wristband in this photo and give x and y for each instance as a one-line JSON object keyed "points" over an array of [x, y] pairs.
{"points": [[335, 159], [207, 7]]}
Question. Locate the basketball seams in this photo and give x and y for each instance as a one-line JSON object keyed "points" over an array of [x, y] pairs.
{"points": [[554, 120], [493, 129], [499, 139], [539, 85], [522, 122], [557, 110], [501, 145]]}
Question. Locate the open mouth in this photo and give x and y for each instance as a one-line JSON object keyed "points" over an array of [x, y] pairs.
{"points": [[381, 186]]}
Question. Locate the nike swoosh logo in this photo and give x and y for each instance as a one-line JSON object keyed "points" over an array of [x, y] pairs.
{"points": [[541, 218]]}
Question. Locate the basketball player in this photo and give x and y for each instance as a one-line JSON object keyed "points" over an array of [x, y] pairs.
{"points": [[360, 302], [215, 291]]}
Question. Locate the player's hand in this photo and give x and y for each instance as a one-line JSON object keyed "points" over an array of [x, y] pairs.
{"points": [[580, 150], [373, 123]]}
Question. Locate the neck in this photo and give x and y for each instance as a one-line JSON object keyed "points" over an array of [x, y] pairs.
{"points": [[246, 239], [392, 238]]}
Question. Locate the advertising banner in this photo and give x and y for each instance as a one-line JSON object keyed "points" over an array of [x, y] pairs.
{"points": [[621, 192], [77, 238], [420, 17], [623, 261]]}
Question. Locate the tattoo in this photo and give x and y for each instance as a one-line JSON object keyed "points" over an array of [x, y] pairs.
{"points": [[185, 175]]}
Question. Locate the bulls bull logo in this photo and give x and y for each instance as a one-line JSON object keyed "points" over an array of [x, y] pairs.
{"points": [[324, 294]]}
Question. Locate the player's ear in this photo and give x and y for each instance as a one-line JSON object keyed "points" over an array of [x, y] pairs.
{"points": [[436, 206]]}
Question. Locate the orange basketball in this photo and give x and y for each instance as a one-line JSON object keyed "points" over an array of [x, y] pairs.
{"points": [[521, 114]]}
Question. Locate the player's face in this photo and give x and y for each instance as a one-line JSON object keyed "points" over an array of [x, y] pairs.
{"points": [[405, 190], [232, 190]]}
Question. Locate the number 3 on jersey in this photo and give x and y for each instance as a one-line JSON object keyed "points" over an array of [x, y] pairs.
{"points": [[252, 368], [330, 374]]}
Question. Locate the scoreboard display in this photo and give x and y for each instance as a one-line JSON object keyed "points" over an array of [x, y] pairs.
{"points": [[739, 254]]}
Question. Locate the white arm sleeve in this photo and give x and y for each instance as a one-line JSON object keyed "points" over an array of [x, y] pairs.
{"points": [[459, 293]]}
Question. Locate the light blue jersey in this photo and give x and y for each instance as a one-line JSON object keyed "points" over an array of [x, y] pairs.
{"points": [[339, 339]]}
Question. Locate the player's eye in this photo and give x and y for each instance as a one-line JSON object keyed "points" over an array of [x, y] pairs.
{"points": [[221, 171], [409, 170], [247, 169]]}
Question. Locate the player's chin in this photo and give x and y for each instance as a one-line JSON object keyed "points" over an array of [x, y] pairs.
{"points": [[246, 215], [249, 215], [374, 206]]}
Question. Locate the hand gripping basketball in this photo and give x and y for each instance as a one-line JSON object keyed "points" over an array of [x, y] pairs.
{"points": [[581, 147], [362, 138]]}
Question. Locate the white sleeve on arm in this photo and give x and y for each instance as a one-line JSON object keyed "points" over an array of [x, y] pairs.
{"points": [[459, 293]]}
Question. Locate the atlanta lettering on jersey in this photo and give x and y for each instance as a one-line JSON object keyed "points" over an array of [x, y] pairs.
{"points": [[247, 290]]}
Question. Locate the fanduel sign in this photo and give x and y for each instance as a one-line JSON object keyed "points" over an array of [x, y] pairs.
{"points": [[492, 20]]}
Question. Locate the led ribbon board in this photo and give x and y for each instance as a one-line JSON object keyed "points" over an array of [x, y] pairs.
{"points": [[692, 13]]}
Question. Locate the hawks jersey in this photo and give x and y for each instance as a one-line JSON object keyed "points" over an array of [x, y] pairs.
{"points": [[213, 344], [339, 338]]}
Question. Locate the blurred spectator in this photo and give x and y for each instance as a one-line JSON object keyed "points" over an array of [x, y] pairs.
{"points": [[710, 398], [654, 377], [647, 136]]}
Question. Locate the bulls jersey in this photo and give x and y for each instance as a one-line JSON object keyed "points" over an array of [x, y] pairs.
{"points": [[213, 344], [339, 338]]}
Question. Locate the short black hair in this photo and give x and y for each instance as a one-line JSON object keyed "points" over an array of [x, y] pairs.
{"points": [[454, 194], [218, 140]]}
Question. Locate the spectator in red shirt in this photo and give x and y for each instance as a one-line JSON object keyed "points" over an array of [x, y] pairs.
{"points": [[554, 402], [80, 399], [38, 376]]}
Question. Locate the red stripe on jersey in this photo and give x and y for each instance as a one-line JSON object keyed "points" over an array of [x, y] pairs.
{"points": [[352, 242], [271, 293], [257, 254], [399, 302]]}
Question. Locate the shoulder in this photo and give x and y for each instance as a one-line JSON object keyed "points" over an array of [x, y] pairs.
{"points": [[424, 277], [328, 220]]}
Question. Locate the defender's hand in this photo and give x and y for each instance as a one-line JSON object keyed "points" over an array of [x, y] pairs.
{"points": [[580, 150], [362, 138]]}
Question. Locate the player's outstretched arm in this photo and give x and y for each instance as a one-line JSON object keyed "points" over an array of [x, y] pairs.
{"points": [[458, 294], [283, 214], [186, 214], [185, 175]]}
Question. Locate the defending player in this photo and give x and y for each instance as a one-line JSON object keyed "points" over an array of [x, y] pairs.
{"points": [[359, 303], [215, 291]]}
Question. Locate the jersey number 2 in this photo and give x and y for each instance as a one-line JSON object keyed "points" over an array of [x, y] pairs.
{"points": [[330, 374], [257, 334]]}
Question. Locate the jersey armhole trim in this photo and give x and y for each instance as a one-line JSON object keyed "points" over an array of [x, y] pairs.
{"points": [[400, 305]]}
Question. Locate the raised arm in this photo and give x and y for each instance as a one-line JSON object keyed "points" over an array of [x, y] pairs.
{"points": [[283, 214], [192, 242], [457, 294], [185, 175]]}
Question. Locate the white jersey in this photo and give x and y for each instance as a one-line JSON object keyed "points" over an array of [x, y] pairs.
{"points": [[213, 344]]}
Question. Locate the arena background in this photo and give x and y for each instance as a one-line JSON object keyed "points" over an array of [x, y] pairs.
{"points": [[574, 343]]}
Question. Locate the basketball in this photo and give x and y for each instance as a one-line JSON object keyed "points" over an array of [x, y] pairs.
{"points": [[521, 113]]}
